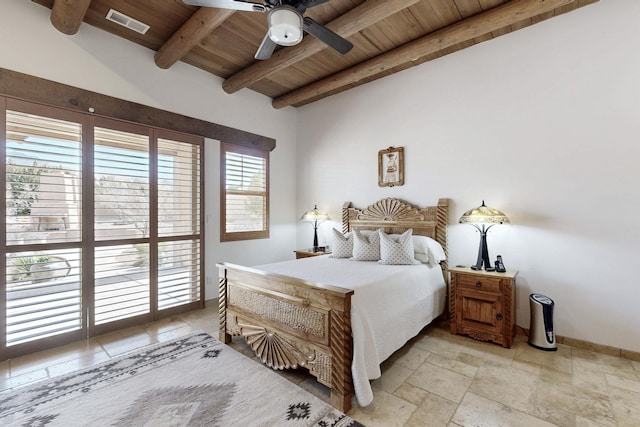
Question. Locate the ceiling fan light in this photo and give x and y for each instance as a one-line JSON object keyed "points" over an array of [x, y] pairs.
{"points": [[285, 26]]}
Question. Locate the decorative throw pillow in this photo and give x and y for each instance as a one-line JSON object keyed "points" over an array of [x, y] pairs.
{"points": [[342, 245], [366, 247], [426, 249], [397, 250]]}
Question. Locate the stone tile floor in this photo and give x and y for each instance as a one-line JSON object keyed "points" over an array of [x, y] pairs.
{"points": [[437, 379]]}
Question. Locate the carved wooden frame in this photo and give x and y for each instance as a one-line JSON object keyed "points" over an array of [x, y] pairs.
{"points": [[396, 177], [290, 322]]}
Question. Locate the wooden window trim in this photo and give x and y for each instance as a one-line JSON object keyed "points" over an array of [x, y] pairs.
{"points": [[34, 89]]}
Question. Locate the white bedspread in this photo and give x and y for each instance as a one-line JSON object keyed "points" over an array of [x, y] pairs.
{"points": [[390, 305]]}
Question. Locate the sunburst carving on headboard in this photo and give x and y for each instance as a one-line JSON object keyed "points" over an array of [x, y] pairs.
{"points": [[390, 210], [394, 216]]}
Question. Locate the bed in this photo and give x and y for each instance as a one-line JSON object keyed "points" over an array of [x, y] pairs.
{"points": [[303, 313]]}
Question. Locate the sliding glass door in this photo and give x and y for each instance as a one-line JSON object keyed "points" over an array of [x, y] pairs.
{"points": [[102, 226], [121, 223], [43, 227], [179, 204]]}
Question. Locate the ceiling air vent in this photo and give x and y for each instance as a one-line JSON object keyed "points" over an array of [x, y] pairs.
{"points": [[127, 21]]}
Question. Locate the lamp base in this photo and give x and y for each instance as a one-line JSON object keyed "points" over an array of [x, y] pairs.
{"points": [[483, 252], [315, 237]]}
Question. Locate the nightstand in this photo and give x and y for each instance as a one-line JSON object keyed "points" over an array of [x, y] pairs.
{"points": [[482, 304], [306, 253]]}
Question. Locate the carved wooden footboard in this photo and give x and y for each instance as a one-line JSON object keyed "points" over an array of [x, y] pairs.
{"points": [[290, 322]]}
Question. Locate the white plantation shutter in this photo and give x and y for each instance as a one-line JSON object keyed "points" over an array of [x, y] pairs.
{"points": [[43, 294], [245, 210], [43, 181], [178, 273], [122, 183], [178, 188], [179, 207], [122, 223], [121, 282], [102, 225]]}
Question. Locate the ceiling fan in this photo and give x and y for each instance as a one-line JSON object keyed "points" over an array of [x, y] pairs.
{"points": [[286, 23]]}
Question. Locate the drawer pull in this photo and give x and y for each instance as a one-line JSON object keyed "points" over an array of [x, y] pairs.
{"points": [[478, 284], [499, 316]]}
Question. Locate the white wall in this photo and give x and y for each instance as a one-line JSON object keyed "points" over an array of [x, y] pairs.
{"points": [[97, 61], [543, 124]]}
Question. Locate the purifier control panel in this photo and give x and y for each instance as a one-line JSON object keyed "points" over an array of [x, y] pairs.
{"points": [[542, 299]]}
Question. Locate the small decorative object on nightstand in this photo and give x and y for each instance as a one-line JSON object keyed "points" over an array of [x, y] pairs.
{"points": [[306, 253], [482, 304]]}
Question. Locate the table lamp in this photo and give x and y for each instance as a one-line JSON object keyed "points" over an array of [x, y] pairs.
{"points": [[479, 217], [315, 216]]}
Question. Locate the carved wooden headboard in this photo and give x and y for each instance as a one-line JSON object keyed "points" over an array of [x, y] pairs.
{"points": [[396, 216]]}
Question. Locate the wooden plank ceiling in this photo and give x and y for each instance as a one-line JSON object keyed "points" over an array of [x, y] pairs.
{"points": [[388, 37]]}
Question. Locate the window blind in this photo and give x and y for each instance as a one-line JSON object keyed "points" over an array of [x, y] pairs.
{"points": [[246, 193], [43, 181]]}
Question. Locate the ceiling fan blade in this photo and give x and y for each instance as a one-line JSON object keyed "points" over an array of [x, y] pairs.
{"points": [[312, 3], [229, 4], [324, 34], [266, 48]]}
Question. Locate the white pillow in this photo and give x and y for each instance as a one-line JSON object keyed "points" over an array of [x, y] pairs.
{"points": [[342, 245], [424, 258], [428, 250], [397, 250], [366, 247]]}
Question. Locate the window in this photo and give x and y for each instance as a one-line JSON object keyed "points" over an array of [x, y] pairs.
{"points": [[179, 213], [245, 193], [121, 222], [102, 225], [42, 226]]}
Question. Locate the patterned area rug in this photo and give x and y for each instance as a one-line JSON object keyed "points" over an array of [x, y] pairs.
{"points": [[192, 381]]}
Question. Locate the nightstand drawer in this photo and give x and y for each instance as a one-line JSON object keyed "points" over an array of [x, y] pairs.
{"points": [[483, 283]]}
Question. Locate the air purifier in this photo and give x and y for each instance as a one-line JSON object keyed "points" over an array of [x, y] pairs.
{"points": [[541, 333]]}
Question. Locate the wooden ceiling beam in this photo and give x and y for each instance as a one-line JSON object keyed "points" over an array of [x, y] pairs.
{"points": [[34, 89], [67, 15], [475, 26], [192, 32], [352, 22]]}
